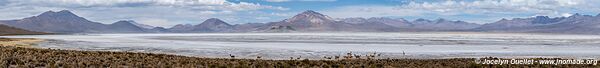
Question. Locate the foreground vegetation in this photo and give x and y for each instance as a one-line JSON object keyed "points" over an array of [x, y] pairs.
{"points": [[31, 57], [24, 57], [19, 42], [20, 57]]}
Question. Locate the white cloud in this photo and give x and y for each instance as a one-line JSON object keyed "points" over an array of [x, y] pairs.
{"points": [[481, 11], [368, 11], [119, 2], [300, 0], [277, 0], [153, 12], [263, 18], [542, 7], [281, 14], [192, 4]]}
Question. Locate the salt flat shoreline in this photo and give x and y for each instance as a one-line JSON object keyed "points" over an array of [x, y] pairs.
{"points": [[35, 57], [31, 56], [281, 46]]}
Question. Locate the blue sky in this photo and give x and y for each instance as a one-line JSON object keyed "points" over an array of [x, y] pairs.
{"points": [[167, 13]]}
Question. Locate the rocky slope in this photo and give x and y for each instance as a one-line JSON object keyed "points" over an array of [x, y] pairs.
{"points": [[7, 30]]}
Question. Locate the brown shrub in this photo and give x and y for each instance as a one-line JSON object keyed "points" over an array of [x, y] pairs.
{"points": [[51, 58]]}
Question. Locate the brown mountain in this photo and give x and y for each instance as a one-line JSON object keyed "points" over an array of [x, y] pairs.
{"points": [[56, 22], [213, 25], [310, 21], [209, 25], [67, 22], [126, 26]]}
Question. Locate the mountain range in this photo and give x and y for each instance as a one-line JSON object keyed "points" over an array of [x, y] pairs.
{"points": [[310, 21], [574, 24], [67, 22]]}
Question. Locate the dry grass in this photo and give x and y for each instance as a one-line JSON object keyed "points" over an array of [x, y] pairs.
{"points": [[19, 42], [20, 57], [32, 57], [16, 53]]}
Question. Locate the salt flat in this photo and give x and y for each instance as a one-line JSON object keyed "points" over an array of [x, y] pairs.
{"points": [[316, 45]]}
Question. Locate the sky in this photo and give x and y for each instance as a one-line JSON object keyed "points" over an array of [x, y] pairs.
{"points": [[167, 13]]}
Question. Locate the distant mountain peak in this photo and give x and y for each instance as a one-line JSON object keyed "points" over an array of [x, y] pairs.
{"points": [[440, 20], [310, 16], [311, 12], [576, 15], [65, 11], [48, 12], [214, 21], [542, 17], [503, 19], [459, 21], [184, 25], [128, 22], [422, 20], [211, 25], [62, 13], [127, 26], [136, 24]]}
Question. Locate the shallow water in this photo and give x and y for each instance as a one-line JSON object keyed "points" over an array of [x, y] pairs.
{"points": [[317, 45]]}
